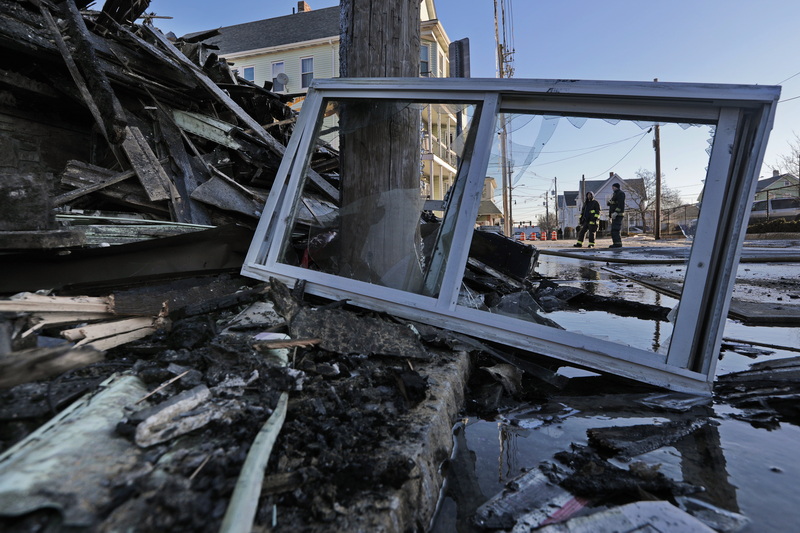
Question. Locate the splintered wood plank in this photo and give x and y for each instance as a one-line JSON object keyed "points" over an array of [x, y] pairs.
{"points": [[42, 320], [107, 329], [118, 340], [146, 165], [77, 172], [32, 303]]}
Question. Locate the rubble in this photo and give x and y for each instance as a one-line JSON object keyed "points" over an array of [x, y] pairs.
{"points": [[151, 364]]}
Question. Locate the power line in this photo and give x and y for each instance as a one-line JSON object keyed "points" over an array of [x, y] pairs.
{"points": [[623, 157], [787, 79]]}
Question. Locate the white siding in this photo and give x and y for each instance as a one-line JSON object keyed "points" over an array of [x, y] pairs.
{"points": [[326, 63]]}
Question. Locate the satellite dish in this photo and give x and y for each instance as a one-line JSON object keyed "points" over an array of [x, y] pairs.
{"points": [[282, 78]]}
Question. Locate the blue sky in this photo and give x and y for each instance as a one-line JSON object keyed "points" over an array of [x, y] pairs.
{"points": [[702, 41]]}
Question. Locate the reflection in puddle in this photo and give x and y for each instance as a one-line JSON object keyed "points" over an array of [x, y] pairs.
{"points": [[754, 487], [602, 321]]}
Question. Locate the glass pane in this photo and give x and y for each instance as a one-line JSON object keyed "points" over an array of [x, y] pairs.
{"points": [[393, 163], [546, 165]]}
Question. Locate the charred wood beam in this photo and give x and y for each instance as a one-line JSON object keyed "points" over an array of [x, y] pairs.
{"points": [[147, 167], [77, 172], [86, 70], [20, 32], [72, 66], [125, 11], [183, 174]]}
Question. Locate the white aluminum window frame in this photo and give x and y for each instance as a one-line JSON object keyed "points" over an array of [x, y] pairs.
{"points": [[743, 116]]}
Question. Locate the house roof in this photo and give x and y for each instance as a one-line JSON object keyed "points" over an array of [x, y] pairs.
{"points": [[593, 186], [766, 182], [278, 31], [488, 207], [571, 198]]}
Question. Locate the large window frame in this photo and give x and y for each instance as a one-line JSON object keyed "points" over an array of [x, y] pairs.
{"points": [[743, 116]]}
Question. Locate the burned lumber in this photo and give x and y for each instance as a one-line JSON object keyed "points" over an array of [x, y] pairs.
{"points": [[503, 254], [77, 172], [125, 11], [620, 306], [28, 302], [84, 68], [182, 172], [145, 163], [173, 295], [106, 335], [41, 363], [346, 332], [218, 250]]}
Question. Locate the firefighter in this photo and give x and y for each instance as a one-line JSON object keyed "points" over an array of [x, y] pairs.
{"points": [[616, 208], [590, 215]]}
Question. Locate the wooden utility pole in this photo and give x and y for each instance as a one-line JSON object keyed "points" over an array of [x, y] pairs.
{"points": [[504, 70], [657, 148], [380, 148], [555, 193]]}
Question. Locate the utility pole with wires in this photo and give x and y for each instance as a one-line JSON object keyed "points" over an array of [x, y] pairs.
{"points": [[503, 33], [555, 203], [657, 148]]}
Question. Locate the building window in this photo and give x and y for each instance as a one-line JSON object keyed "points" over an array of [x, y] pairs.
{"points": [[278, 85], [424, 61], [306, 71], [248, 73]]}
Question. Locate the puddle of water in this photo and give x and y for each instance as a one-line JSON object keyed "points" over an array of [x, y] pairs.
{"points": [[744, 469]]}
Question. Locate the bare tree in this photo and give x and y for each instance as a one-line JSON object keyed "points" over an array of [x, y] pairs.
{"points": [[547, 222], [789, 163], [642, 193], [380, 151]]}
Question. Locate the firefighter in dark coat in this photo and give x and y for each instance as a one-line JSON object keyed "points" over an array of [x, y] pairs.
{"points": [[590, 215], [616, 208]]}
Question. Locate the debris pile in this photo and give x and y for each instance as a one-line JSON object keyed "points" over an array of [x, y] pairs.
{"points": [[103, 116]]}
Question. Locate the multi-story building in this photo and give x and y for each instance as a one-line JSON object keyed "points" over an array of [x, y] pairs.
{"points": [[286, 53]]}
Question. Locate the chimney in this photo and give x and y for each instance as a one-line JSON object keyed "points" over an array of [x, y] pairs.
{"points": [[776, 173], [302, 7], [611, 174]]}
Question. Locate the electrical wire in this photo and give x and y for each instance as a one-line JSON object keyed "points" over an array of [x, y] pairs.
{"points": [[787, 79], [788, 99], [623, 157]]}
